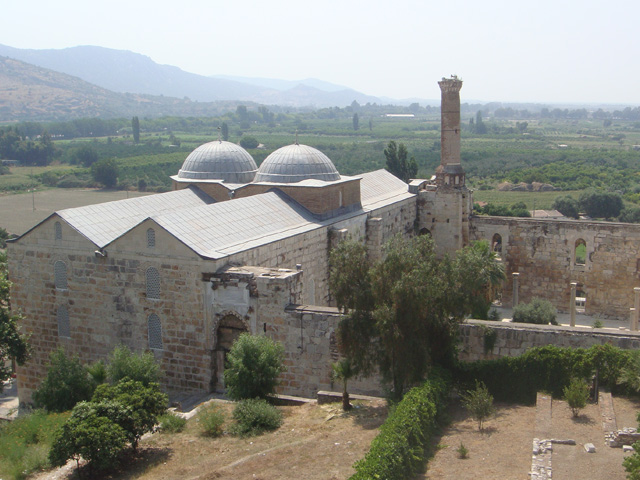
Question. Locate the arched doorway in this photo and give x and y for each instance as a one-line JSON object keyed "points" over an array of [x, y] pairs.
{"points": [[228, 330]]}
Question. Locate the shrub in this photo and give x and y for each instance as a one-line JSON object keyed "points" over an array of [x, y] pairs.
{"points": [[576, 395], [253, 366], [145, 404], [211, 420], [67, 383], [632, 463], [397, 452], [463, 452], [139, 367], [249, 142], [90, 435], [255, 416], [479, 403], [171, 423], [538, 311]]}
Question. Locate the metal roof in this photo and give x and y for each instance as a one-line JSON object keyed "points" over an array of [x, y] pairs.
{"points": [[294, 163], [219, 160], [104, 222], [380, 188]]}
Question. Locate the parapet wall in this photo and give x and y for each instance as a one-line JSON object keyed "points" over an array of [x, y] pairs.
{"points": [[543, 253], [515, 339]]}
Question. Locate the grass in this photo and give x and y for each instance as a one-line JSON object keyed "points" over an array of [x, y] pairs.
{"points": [[542, 200], [25, 443]]}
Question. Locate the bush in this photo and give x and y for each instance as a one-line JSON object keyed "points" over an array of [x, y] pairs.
{"points": [[632, 463], [463, 452], [145, 404], [91, 435], [548, 369], [249, 142], [211, 420], [67, 383], [253, 365], [398, 452], [105, 171], [139, 367], [255, 416], [539, 311], [171, 423], [479, 403], [576, 395]]}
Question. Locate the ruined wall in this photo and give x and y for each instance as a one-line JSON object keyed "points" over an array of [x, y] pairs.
{"points": [[543, 253], [515, 339], [444, 214]]}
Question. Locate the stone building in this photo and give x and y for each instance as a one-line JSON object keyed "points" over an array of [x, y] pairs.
{"points": [[237, 248]]}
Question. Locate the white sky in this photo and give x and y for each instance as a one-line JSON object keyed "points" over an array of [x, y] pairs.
{"points": [[504, 50]]}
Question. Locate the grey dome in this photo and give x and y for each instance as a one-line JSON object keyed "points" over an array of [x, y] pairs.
{"points": [[219, 160], [295, 163]]}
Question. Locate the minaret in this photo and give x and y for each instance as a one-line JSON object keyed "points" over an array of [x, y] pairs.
{"points": [[450, 173]]}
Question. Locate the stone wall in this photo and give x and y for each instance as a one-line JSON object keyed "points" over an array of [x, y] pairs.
{"points": [[444, 214], [515, 339], [543, 253]]}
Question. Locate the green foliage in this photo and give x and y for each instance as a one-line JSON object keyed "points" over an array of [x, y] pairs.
{"points": [[630, 215], [105, 172], [211, 420], [397, 162], [600, 204], [479, 403], [253, 365], [225, 131], [98, 372], [631, 463], [463, 452], [356, 122], [135, 128], [630, 372], [538, 311], [145, 403], [255, 416], [516, 210], [343, 370], [489, 336], [547, 369], [397, 452], [567, 206], [66, 383], [597, 323], [576, 395], [90, 435], [139, 367], [249, 142], [404, 311], [171, 423], [86, 155], [25, 443]]}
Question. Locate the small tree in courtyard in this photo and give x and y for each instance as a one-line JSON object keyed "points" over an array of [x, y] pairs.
{"points": [[539, 311], [479, 403], [576, 395], [343, 371], [253, 365]]}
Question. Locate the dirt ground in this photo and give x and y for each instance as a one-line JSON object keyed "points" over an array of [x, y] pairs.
{"points": [[314, 443], [503, 451]]}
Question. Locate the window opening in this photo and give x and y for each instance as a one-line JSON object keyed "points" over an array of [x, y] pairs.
{"points": [[58, 231], [151, 238], [580, 252], [64, 329], [60, 274], [155, 332], [153, 283]]}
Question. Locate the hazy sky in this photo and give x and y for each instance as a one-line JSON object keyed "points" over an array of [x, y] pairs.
{"points": [[537, 51]]}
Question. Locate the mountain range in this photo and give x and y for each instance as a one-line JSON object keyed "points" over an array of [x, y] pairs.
{"points": [[90, 81]]}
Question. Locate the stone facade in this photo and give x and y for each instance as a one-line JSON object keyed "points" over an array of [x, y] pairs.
{"points": [[543, 252]]}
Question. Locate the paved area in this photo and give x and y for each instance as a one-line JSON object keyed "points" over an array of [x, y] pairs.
{"points": [[582, 320], [9, 400]]}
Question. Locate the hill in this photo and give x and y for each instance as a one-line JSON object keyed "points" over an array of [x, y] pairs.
{"points": [[28, 92], [128, 72]]}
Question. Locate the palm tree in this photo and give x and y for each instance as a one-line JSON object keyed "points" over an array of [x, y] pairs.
{"points": [[343, 370]]}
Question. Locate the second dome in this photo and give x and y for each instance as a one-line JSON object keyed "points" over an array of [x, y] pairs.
{"points": [[295, 163], [219, 160]]}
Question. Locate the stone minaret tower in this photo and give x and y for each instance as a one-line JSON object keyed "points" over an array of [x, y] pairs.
{"points": [[450, 172], [444, 208]]}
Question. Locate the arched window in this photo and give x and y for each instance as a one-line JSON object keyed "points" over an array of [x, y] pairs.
{"points": [[424, 231], [151, 238], [153, 283], [64, 330], [581, 300], [155, 332], [58, 230], [60, 274], [496, 245], [580, 252]]}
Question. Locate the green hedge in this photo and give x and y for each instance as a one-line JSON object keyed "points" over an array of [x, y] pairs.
{"points": [[546, 369], [398, 450]]}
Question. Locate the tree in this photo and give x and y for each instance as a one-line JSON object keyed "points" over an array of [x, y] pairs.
{"points": [[138, 367], [91, 434], [480, 127], [600, 204], [403, 311], [479, 403], [343, 371], [370, 124], [538, 311], [567, 206], [13, 345], [576, 395], [397, 162], [85, 155], [224, 130], [105, 172], [253, 365], [356, 122], [632, 463], [146, 403], [249, 142], [135, 127], [67, 382]]}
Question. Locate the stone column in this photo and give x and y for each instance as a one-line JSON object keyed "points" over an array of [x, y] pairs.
{"points": [[572, 305], [633, 325], [450, 172], [636, 305], [515, 290]]}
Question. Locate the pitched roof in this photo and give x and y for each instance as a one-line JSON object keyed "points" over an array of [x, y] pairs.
{"points": [[381, 188]]}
